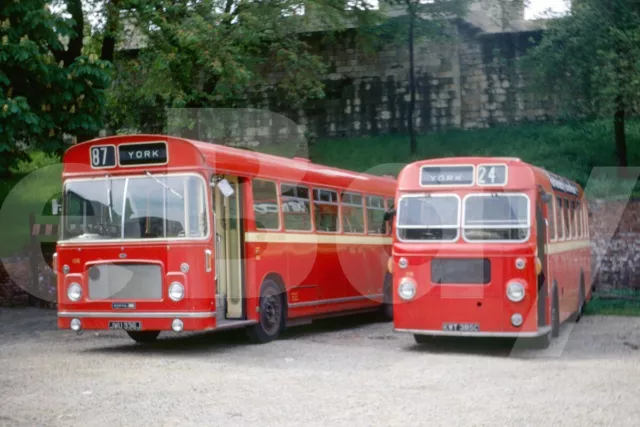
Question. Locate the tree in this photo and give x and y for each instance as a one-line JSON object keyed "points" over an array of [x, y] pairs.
{"points": [[221, 53], [46, 90], [423, 20], [590, 61]]}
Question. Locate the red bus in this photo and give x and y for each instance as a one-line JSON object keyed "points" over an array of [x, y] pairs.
{"points": [[167, 234], [488, 246]]}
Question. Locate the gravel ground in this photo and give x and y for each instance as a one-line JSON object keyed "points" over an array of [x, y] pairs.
{"points": [[338, 372]]}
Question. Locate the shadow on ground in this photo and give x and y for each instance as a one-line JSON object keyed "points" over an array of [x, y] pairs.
{"points": [[219, 341]]}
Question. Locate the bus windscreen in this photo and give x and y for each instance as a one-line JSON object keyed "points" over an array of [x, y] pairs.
{"points": [[140, 207], [428, 217], [496, 217]]}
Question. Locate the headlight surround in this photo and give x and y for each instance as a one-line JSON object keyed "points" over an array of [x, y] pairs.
{"points": [[520, 263], [403, 263], [515, 291], [407, 288], [176, 291], [516, 320], [74, 291]]}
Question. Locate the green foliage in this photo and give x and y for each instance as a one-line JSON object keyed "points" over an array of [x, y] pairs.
{"points": [[222, 53], [42, 98], [590, 61], [432, 20], [590, 56]]}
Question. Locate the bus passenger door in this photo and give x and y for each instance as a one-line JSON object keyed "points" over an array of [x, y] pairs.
{"points": [[229, 248], [541, 239]]}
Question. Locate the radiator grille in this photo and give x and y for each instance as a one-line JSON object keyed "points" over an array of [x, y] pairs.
{"points": [[125, 282], [461, 270]]}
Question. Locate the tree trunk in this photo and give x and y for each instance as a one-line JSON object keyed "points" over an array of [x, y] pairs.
{"points": [[621, 140], [412, 85], [74, 7], [111, 29]]}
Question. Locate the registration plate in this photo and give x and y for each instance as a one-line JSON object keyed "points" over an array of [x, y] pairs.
{"points": [[126, 326], [461, 327]]}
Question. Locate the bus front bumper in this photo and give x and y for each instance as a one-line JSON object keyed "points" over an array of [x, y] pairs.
{"points": [[137, 321], [540, 332]]}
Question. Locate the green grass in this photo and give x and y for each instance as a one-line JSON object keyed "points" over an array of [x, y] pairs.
{"points": [[28, 190], [599, 306]]}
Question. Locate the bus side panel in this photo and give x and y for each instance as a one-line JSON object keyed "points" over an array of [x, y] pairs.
{"points": [[301, 280], [355, 269], [328, 272]]}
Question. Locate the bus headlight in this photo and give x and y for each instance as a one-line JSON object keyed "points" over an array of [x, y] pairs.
{"points": [[407, 288], [74, 291], [176, 291], [515, 291]]}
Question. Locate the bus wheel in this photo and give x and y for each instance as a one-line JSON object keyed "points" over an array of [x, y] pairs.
{"points": [[143, 336], [271, 314], [581, 300], [555, 314], [423, 339]]}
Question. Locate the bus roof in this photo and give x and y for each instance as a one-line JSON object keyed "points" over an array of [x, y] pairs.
{"points": [[460, 173], [185, 154]]}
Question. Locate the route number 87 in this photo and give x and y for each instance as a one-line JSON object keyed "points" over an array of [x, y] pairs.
{"points": [[102, 156]]}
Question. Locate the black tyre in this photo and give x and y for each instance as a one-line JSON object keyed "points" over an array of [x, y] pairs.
{"points": [[581, 300], [386, 311], [555, 314], [143, 336], [423, 339], [272, 314]]}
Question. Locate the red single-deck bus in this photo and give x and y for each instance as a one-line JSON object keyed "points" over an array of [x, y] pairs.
{"points": [[168, 234], [488, 246]]}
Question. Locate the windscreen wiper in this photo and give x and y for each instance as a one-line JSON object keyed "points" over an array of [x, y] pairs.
{"points": [[163, 184], [109, 199]]}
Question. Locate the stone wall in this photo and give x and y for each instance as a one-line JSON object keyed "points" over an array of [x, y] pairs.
{"points": [[615, 234], [471, 81]]}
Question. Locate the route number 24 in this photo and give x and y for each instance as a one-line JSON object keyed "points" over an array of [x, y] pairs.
{"points": [[492, 174]]}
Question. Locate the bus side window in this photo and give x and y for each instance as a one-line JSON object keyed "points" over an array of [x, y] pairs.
{"points": [[560, 218], [567, 220], [552, 221], [325, 204], [390, 204], [265, 205], [375, 215], [352, 213], [296, 207]]}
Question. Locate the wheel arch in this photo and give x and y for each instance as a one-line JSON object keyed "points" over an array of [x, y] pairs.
{"points": [[278, 280]]}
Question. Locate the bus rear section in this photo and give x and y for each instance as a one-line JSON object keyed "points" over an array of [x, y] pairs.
{"points": [[465, 260]]}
